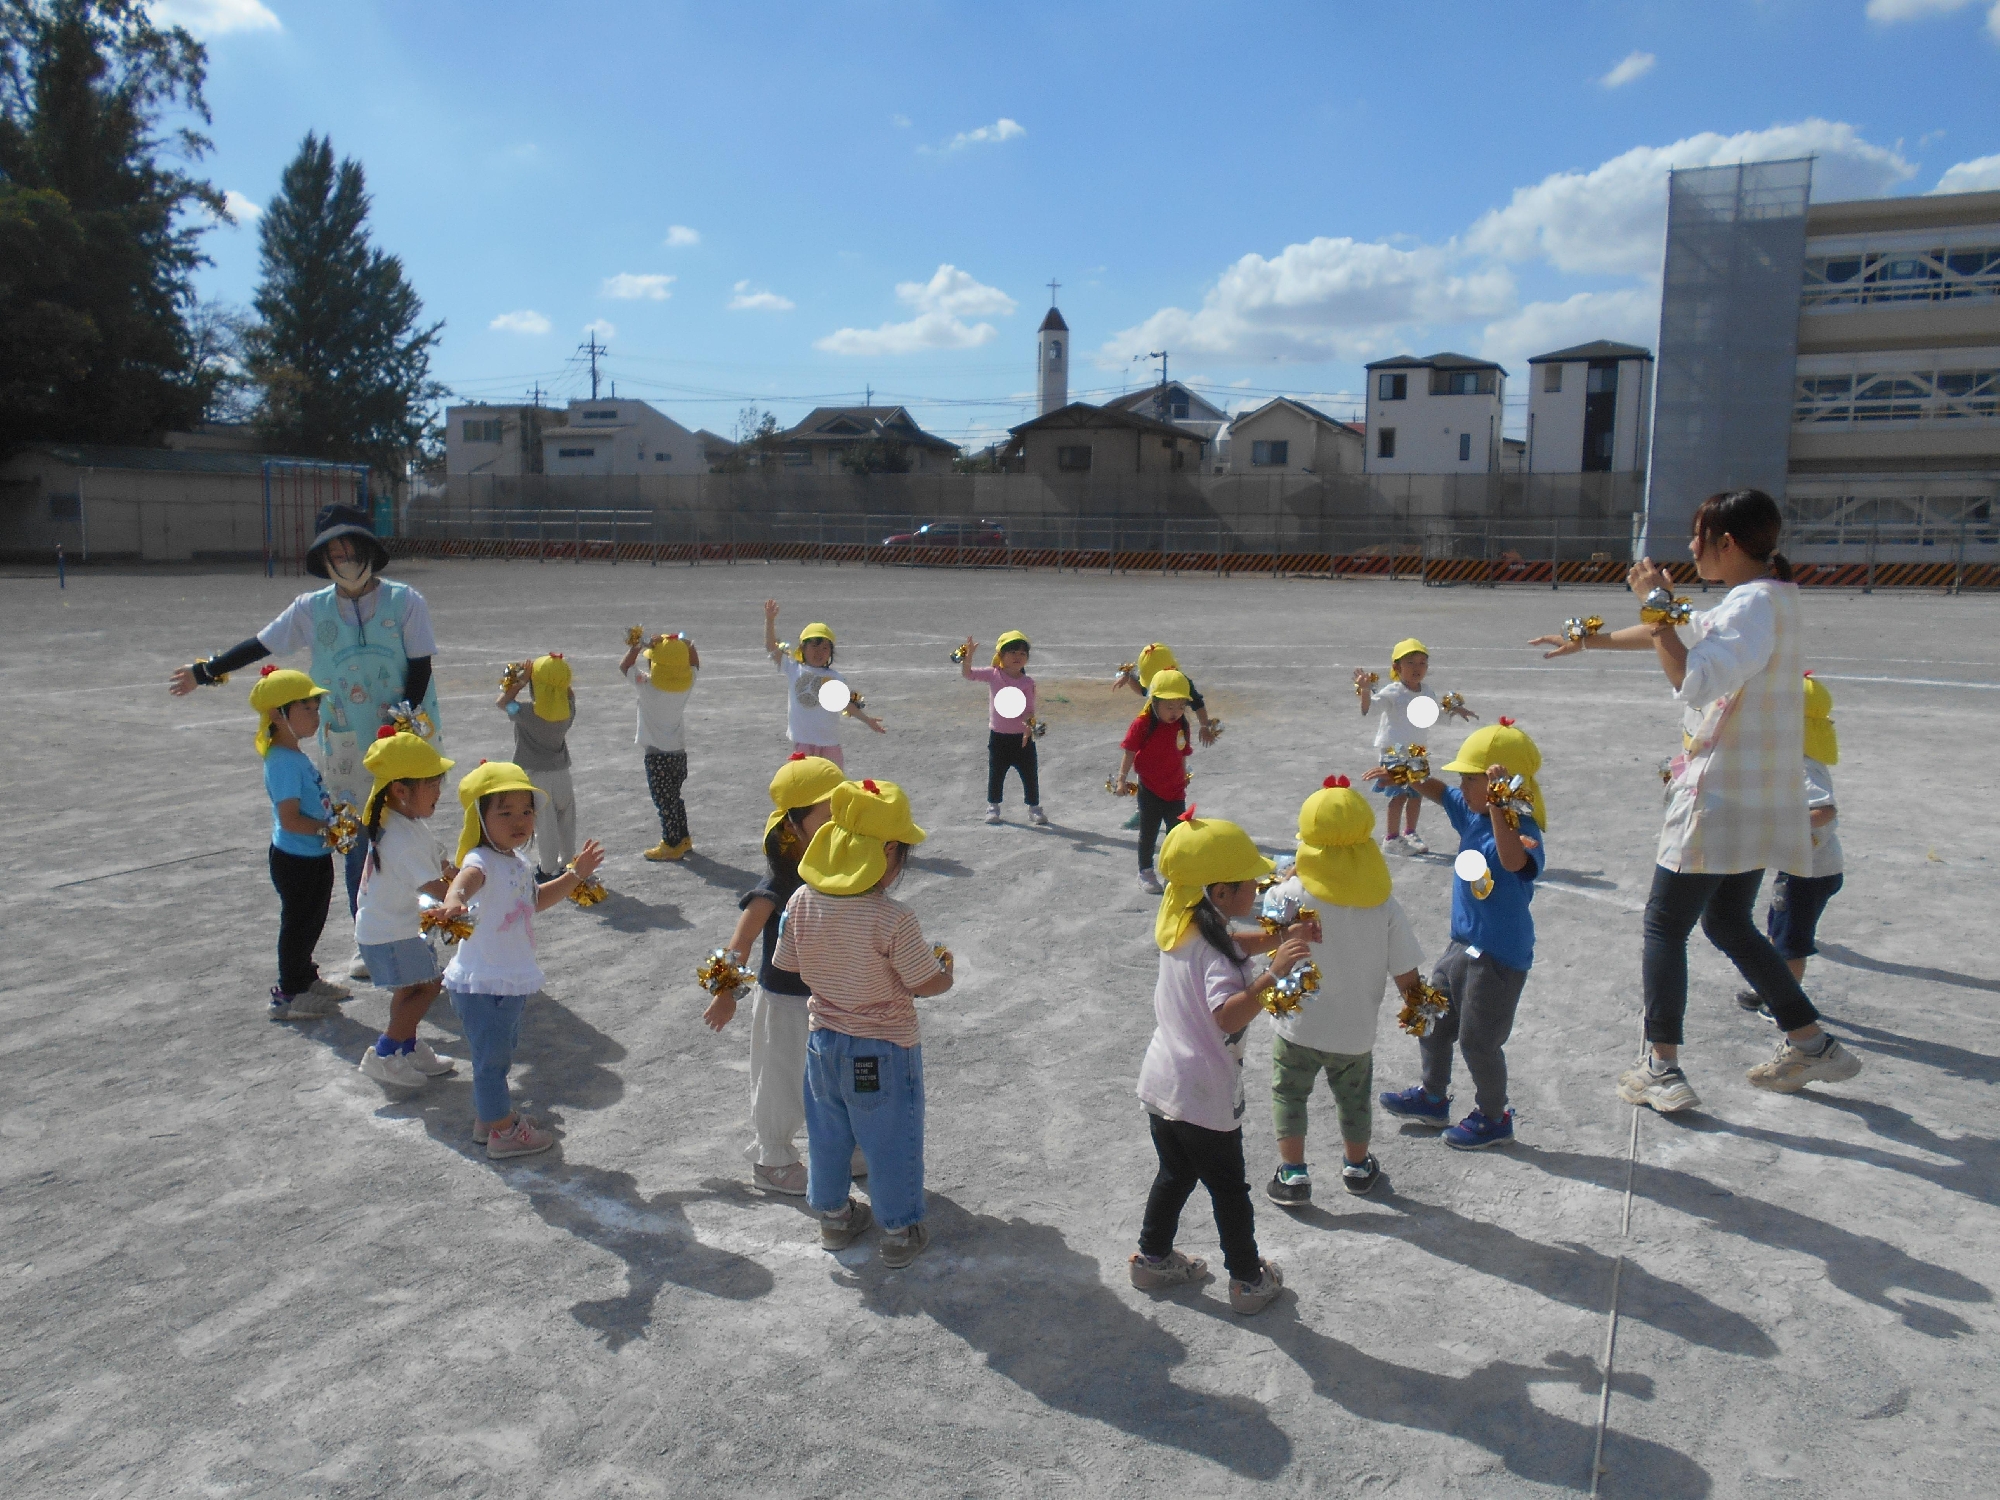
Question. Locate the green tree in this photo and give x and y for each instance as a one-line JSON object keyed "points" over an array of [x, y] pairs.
{"points": [[99, 231], [876, 456], [339, 349]]}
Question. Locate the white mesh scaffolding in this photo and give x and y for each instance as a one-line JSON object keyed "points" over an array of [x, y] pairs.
{"points": [[1729, 314]]}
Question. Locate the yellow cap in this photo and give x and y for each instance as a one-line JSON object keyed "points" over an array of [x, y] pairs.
{"points": [[483, 780], [274, 689], [1822, 744], [803, 781], [399, 757], [550, 675], [1196, 854], [1156, 658], [1408, 646], [1169, 684], [819, 630], [1339, 860], [846, 857], [667, 665], [1010, 638], [1502, 744]]}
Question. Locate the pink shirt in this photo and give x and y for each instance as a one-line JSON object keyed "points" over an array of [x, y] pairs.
{"points": [[1192, 1071], [995, 679]]}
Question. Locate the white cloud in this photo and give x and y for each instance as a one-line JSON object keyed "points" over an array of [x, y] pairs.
{"points": [[630, 288], [241, 209], [207, 18], [1981, 175], [942, 305], [1002, 129], [679, 236], [1630, 315], [901, 122], [603, 328], [527, 320], [1888, 12], [1612, 218], [746, 300], [1338, 298], [1636, 65]]}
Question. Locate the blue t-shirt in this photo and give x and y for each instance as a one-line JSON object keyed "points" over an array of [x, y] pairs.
{"points": [[1500, 925], [287, 774]]}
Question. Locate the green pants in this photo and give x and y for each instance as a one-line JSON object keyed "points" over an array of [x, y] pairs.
{"points": [[1351, 1076]]}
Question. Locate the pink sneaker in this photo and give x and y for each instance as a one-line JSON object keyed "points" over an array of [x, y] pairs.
{"points": [[522, 1138]]}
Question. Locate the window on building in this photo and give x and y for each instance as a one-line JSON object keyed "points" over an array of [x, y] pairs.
{"points": [[480, 431], [576, 453], [1606, 447], [1270, 455], [1392, 388], [1465, 447], [1074, 460], [1055, 350], [1177, 407], [796, 458], [1385, 442], [65, 507], [1462, 382], [1602, 380], [663, 458], [601, 416], [1552, 379]]}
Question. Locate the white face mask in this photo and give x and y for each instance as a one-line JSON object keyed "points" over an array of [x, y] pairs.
{"points": [[352, 575]]}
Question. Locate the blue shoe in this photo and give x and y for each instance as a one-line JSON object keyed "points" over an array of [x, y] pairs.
{"points": [[1475, 1132], [1414, 1104]]}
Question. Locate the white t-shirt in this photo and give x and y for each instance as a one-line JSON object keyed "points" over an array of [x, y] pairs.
{"points": [[293, 629], [1826, 856], [1359, 948], [405, 858], [499, 957], [1394, 727], [1192, 1071], [661, 714], [805, 721]]}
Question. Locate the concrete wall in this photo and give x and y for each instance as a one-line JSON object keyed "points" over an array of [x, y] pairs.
{"points": [[149, 515]]}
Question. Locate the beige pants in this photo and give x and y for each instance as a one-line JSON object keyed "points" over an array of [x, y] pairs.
{"points": [[778, 1031], [555, 832]]}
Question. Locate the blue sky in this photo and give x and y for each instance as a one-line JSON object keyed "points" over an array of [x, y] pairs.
{"points": [[785, 205]]}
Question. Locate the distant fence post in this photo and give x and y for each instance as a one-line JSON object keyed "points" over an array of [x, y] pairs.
{"points": [[1555, 553], [1874, 539]]}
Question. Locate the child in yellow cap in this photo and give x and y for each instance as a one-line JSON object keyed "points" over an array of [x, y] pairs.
{"points": [[1191, 1081], [402, 864], [541, 748], [1154, 658], [1409, 664], [1363, 943], [1798, 901], [808, 667], [864, 957], [301, 859], [662, 685], [493, 971], [801, 802], [1010, 737], [1485, 966], [1157, 745]]}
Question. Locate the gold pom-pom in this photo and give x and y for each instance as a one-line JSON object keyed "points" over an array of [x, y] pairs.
{"points": [[1510, 798], [1575, 629], [1421, 1011], [1035, 727], [343, 828], [434, 919], [407, 718], [722, 972], [588, 890], [635, 635], [1452, 703], [1292, 991], [514, 675], [1367, 684], [943, 955], [1408, 765], [1128, 671], [959, 654], [1215, 729], [1119, 788], [1667, 771], [1663, 607]]}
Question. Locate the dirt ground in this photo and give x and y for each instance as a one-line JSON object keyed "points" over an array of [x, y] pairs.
{"points": [[232, 1266]]}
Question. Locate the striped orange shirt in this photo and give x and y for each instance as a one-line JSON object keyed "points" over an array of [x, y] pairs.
{"points": [[860, 955]]}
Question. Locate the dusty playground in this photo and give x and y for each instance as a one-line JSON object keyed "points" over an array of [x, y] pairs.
{"points": [[232, 1266]]}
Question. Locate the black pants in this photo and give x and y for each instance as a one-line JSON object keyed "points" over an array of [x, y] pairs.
{"points": [[1188, 1155], [1721, 903], [666, 770], [1485, 994], [1004, 750], [1153, 811], [305, 888]]}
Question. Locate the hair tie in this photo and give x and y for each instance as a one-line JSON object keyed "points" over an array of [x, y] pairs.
{"points": [[1335, 781], [1505, 722], [386, 732], [869, 786], [1188, 816], [267, 669]]}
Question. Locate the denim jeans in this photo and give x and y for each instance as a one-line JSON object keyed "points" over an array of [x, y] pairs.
{"points": [[1792, 923], [1721, 903], [492, 1030], [860, 1091]]}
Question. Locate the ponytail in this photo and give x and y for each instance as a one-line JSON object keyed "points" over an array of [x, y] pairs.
{"points": [[1211, 925], [1781, 567]]}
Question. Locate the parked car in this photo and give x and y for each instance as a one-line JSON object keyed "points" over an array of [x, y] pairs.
{"points": [[951, 534]]}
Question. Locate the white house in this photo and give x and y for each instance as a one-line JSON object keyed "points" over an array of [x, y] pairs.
{"points": [[1435, 415], [495, 440], [1176, 405], [1284, 436], [621, 436], [1588, 409]]}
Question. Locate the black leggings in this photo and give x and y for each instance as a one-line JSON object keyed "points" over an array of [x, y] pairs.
{"points": [[1190, 1154], [666, 771], [305, 888], [1153, 811], [1004, 750], [1721, 903]]}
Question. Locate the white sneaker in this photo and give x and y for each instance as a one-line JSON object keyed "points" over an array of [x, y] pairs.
{"points": [[1151, 881], [327, 989], [992, 812], [429, 1063], [394, 1071], [1791, 1069], [1390, 841], [1665, 1093], [1414, 845], [357, 967], [1039, 818]]}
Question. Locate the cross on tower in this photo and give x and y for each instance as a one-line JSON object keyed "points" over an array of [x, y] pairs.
{"points": [[1053, 284]]}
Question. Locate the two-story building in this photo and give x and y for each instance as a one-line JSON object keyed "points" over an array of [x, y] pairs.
{"points": [[1175, 405], [621, 436], [502, 441], [1588, 409], [1440, 414], [1284, 436], [825, 442]]}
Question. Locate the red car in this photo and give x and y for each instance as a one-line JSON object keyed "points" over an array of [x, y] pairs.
{"points": [[951, 534]]}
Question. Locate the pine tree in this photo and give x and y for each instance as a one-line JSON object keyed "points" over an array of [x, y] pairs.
{"points": [[338, 351], [99, 232]]}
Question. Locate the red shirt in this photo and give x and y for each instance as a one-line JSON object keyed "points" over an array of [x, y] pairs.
{"points": [[1161, 752]]}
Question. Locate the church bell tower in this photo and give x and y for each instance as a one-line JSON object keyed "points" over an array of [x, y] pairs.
{"points": [[1052, 363]]}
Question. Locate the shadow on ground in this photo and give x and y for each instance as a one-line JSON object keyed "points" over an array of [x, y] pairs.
{"points": [[1835, 953], [1975, 1067]]}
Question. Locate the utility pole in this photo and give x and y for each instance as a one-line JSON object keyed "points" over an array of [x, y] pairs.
{"points": [[593, 349], [868, 395], [1160, 401]]}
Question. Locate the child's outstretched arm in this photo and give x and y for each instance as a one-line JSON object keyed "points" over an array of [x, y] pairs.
{"points": [[1363, 691], [549, 892], [965, 662], [511, 684], [631, 655], [771, 630], [1429, 787], [466, 884], [722, 1009], [855, 711]]}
